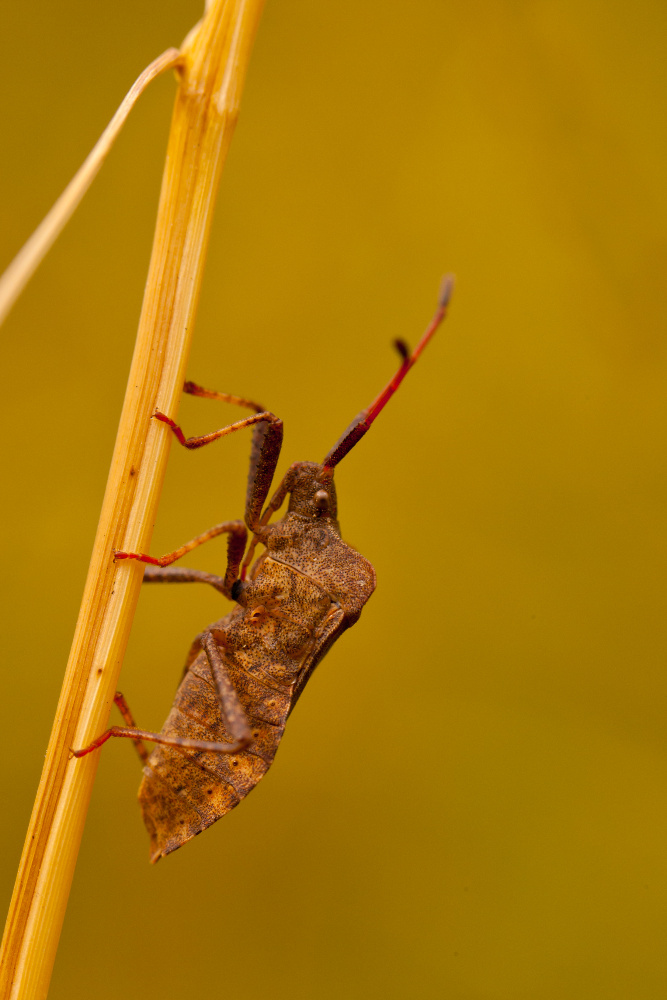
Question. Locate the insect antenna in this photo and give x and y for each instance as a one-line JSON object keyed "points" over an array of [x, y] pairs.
{"points": [[363, 420]]}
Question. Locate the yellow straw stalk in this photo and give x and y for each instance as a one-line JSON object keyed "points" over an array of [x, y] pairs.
{"points": [[212, 67]]}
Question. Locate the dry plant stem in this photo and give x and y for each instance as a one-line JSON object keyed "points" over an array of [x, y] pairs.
{"points": [[214, 62], [32, 253]]}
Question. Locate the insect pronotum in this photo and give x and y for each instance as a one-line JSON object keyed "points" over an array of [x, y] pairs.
{"points": [[244, 674]]}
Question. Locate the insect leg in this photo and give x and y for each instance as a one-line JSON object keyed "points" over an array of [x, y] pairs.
{"points": [[267, 440], [266, 443], [179, 742], [225, 397], [232, 709], [178, 574], [199, 441], [124, 710], [274, 504], [235, 549]]}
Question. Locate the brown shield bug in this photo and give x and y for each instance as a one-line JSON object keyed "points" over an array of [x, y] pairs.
{"points": [[244, 673]]}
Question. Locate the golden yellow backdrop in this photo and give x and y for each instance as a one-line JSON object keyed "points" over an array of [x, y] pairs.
{"points": [[471, 799]]}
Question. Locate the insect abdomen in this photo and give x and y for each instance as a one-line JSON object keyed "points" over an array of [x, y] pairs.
{"points": [[183, 792]]}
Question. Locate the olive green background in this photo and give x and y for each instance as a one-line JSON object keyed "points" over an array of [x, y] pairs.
{"points": [[470, 800]]}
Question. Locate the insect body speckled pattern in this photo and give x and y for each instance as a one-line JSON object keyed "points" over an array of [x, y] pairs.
{"points": [[245, 672], [303, 592]]}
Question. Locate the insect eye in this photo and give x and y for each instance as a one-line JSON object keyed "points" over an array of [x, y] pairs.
{"points": [[321, 499]]}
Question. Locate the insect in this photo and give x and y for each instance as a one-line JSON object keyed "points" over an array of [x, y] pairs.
{"points": [[244, 673]]}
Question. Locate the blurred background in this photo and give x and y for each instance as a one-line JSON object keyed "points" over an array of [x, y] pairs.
{"points": [[471, 798]]}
